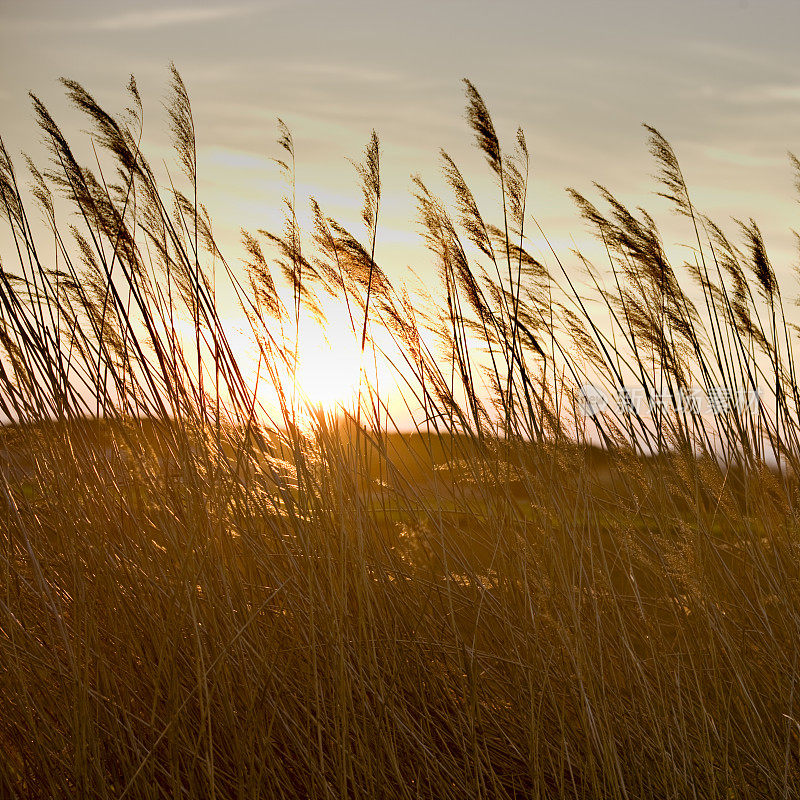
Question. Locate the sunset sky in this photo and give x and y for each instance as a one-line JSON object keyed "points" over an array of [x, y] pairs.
{"points": [[720, 79]]}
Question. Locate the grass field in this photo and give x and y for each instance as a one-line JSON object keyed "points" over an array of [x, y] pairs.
{"points": [[505, 599]]}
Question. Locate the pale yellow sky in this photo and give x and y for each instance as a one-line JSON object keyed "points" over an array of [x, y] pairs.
{"points": [[720, 79]]}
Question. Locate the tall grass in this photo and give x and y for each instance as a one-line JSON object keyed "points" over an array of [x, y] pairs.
{"points": [[201, 597]]}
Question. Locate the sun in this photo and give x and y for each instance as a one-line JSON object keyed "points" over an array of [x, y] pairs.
{"points": [[328, 369], [329, 361]]}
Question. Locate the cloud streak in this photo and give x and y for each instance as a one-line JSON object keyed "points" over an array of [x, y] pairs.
{"points": [[336, 71], [166, 17]]}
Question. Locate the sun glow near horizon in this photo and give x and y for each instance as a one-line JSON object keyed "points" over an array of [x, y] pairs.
{"points": [[329, 368], [329, 360]]}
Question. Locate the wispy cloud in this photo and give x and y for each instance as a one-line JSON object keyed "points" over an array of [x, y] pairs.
{"points": [[335, 71], [164, 17], [776, 93], [741, 159]]}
